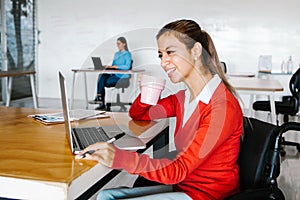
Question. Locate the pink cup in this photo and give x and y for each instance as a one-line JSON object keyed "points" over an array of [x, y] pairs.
{"points": [[151, 89]]}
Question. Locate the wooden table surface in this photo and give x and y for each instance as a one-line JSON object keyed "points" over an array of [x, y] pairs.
{"points": [[108, 71], [240, 74], [31, 150], [256, 84], [16, 73]]}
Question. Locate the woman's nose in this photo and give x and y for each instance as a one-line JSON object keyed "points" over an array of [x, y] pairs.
{"points": [[165, 60]]}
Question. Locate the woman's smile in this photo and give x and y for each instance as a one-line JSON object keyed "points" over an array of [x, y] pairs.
{"points": [[170, 71]]}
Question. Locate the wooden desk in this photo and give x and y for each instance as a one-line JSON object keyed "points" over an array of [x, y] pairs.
{"points": [[240, 74], [275, 73], [10, 75], [91, 70], [255, 86], [37, 163]]}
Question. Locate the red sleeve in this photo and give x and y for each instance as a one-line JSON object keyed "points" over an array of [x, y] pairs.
{"points": [[165, 108], [212, 131]]}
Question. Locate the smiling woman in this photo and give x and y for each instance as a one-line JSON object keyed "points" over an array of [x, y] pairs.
{"points": [[208, 125]]}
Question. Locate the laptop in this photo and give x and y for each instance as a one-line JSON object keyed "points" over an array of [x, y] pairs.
{"points": [[80, 138], [97, 63]]}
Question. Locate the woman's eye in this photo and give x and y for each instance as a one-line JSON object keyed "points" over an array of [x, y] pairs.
{"points": [[170, 52], [160, 55]]}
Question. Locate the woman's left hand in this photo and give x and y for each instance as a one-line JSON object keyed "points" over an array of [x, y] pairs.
{"points": [[111, 67], [104, 153]]}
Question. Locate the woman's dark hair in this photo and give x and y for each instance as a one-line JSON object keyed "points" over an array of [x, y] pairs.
{"points": [[123, 40], [189, 32]]}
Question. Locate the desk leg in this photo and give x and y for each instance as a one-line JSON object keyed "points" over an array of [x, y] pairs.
{"points": [[35, 104], [73, 91], [8, 90], [86, 92], [273, 109], [161, 146], [251, 100], [135, 85]]}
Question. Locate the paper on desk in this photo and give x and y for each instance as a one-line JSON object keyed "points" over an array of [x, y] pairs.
{"points": [[57, 118]]}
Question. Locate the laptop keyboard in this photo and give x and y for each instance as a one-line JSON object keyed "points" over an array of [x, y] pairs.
{"points": [[90, 135]]}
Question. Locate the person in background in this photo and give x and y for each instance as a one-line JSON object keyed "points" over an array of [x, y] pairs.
{"points": [[122, 61], [208, 128]]}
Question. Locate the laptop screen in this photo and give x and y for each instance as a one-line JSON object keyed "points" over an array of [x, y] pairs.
{"points": [[97, 63], [65, 106]]}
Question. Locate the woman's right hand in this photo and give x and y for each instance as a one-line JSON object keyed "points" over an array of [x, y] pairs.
{"points": [[104, 153]]}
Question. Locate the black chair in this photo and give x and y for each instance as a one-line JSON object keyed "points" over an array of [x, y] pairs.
{"points": [[259, 161], [122, 84], [288, 106]]}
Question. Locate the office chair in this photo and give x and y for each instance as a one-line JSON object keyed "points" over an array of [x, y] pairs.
{"points": [[122, 84], [288, 106], [259, 161], [224, 67]]}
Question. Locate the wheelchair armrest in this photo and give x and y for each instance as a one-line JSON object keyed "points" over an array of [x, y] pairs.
{"points": [[287, 98], [260, 193], [289, 126]]}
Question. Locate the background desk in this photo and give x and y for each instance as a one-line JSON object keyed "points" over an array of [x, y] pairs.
{"points": [[84, 71], [240, 74], [36, 161], [10, 75], [255, 86]]}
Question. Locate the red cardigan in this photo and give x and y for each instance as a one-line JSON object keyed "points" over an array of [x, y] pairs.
{"points": [[208, 145]]}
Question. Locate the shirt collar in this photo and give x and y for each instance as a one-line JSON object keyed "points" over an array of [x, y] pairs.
{"points": [[121, 52], [208, 90]]}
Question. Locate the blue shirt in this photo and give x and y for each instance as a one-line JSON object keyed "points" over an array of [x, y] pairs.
{"points": [[123, 61]]}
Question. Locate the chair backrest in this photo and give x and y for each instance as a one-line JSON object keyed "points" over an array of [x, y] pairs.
{"points": [[224, 67], [130, 68], [257, 141], [295, 84]]}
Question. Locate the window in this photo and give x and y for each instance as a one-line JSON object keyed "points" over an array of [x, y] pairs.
{"points": [[20, 37]]}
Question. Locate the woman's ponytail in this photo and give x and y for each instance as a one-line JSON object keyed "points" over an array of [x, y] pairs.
{"points": [[215, 66]]}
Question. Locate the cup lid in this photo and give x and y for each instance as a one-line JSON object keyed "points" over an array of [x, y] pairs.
{"points": [[148, 78], [153, 85]]}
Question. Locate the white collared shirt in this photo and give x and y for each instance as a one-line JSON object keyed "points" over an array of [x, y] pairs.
{"points": [[204, 96]]}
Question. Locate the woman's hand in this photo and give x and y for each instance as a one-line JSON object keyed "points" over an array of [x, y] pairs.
{"points": [[104, 153], [111, 67]]}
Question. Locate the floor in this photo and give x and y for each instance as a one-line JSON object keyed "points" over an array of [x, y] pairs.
{"points": [[288, 180]]}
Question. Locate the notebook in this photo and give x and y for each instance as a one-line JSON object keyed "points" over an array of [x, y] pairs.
{"points": [[75, 115]]}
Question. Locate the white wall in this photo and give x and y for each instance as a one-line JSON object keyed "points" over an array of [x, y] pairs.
{"points": [[72, 30]]}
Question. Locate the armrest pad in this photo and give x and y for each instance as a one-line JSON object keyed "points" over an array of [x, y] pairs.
{"points": [[287, 98]]}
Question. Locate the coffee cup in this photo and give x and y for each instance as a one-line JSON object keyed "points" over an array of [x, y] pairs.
{"points": [[151, 89]]}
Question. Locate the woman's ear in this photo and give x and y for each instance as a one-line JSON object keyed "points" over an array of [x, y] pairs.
{"points": [[196, 50]]}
